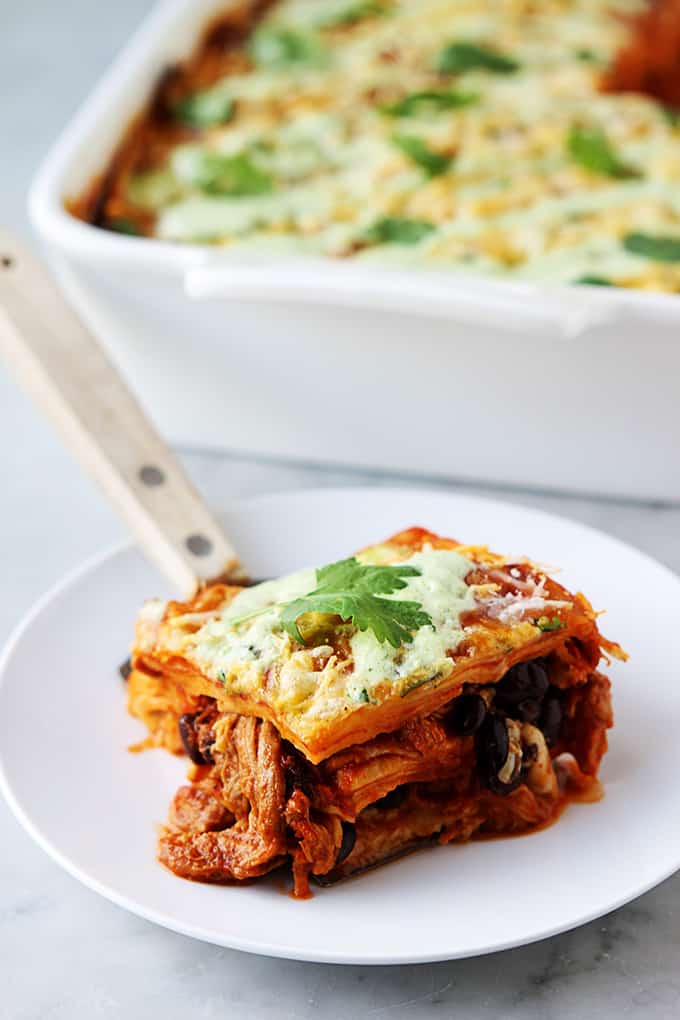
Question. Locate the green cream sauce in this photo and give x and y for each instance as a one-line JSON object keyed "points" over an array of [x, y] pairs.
{"points": [[443, 594], [224, 647], [221, 646]]}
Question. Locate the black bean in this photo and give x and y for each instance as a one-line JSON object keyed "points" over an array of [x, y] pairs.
{"points": [[527, 711], [491, 744], [349, 838], [466, 714], [125, 668], [550, 721], [189, 738], [394, 799], [495, 785], [525, 681]]}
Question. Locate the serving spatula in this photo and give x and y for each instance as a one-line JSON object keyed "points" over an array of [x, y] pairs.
{"points": [[63, 366]]}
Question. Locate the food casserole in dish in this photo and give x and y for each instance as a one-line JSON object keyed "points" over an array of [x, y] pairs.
{"points": [[480, 137], [420, 692], [413, 235]]}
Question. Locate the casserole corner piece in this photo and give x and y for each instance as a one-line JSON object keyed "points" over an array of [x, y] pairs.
{"points": [[420, 692]]}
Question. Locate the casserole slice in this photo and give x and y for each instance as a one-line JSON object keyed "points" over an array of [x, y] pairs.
{"points": [[422, 691]]}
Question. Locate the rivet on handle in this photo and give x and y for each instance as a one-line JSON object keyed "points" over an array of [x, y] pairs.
{"points": [[199, 545], [6, 261], [151, 475]]}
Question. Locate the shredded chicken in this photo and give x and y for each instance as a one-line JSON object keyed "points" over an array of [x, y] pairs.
{"points": [[255, 843], [260, 801], [318, 840], [589, 717], [197, 809]]}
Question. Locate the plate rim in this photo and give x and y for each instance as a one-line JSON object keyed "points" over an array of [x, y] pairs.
{"points": [[261, 947]]}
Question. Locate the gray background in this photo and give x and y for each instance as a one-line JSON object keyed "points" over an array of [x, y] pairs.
{"points": [[65, 953]]}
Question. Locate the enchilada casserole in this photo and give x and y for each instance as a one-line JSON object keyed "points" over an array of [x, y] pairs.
{"points": [[526, 140], [420, 692]]}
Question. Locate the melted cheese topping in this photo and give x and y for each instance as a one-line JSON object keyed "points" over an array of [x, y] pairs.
{"points": [[244, 648], [442, 592], [511, 199], [486, 611], [241, 653]]}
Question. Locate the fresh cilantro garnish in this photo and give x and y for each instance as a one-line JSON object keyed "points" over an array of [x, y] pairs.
{"points": [[279, 47], [219, 174], [429, 102], [352, 590], [433, 163], [239, 175], [545, 624], [362, 696], [595, 281], [587, 56], [661, 249], [354, 12], [124, 226], [458, 57], [592, 149], [397, 230], [205, 109]]}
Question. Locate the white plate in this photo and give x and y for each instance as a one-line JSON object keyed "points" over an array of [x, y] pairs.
{"points": [[93, 806]]}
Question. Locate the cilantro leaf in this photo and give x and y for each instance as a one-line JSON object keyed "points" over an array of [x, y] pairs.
{"points": [[218, 174], [661, 249], [398, 230], [594, 281], [278, 47], [430, 102], [205, 109], [239, 175], [458, 57], [433, 163], [352, 590], [592, 149], [354, 12]]}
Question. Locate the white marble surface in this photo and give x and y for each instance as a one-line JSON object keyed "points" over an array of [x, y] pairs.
{"points": [[65, 954]]}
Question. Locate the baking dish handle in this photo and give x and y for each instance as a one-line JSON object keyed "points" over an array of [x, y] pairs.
{"points": [[521, 307]]}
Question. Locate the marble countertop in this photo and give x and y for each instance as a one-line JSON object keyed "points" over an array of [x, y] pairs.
{"points": [[66, 954]]}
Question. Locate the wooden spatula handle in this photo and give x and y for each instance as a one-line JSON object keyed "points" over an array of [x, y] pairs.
{"points": [[68, 373]]}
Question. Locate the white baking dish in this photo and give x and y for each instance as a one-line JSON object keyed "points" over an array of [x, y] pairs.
{"points": [[421, 371]]}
